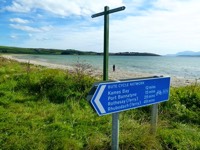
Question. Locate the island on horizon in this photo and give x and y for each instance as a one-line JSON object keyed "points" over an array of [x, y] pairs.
{"points": [[19, 50]]}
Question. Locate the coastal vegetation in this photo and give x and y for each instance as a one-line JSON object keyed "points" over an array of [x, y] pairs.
{"points": [[44, 108], [18, 50]]}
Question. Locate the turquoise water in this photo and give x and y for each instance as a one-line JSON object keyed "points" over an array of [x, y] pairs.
{"points": [[187, 67]]}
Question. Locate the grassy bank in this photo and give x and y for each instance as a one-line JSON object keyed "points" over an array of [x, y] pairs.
{"points": [[44, 108]]}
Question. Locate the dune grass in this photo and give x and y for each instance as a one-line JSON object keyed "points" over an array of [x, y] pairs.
{"points": [[44, 108]]}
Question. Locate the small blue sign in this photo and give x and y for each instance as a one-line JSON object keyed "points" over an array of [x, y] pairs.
{"points": [[115, 97]]}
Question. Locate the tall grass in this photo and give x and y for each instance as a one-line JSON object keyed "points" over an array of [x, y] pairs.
{"points": [[44, 108]]}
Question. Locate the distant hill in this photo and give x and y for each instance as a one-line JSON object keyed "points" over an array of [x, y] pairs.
{"points": [[188, 53], [76, 52], [134, 54], [72, 52], [18, 50], [185, 54]]}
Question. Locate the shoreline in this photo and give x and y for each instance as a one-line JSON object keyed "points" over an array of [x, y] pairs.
{"points": [[117, 75]]}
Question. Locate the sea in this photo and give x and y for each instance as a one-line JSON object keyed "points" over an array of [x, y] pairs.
{"points": [[184, 67]]}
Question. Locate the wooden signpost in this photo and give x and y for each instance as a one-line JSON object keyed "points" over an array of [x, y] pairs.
{"points": [[114, 97], [115, 116]]}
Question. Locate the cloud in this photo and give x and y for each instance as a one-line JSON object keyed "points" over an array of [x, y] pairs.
{"points": [[171, 26], [31, 29], [13, 36], [160, 26], [19, 20], [17, 7], [30, 35], [64, 38], [62, 7]]}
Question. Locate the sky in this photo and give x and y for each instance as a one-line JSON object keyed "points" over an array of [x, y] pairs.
{"points": [[154, 26]]}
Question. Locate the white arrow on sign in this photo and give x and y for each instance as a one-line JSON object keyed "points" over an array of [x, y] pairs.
{"points": [[97, 99]]}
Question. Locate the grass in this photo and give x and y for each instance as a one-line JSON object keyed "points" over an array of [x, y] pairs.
{"points": [[44, 108]]}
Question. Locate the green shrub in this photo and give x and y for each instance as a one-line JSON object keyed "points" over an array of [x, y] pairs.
{"points": [[183, 105]]}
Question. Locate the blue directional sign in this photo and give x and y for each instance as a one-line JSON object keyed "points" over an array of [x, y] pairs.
{"points": [[115, 97]]}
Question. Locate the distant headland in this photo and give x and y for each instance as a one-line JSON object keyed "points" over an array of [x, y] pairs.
{"points": [[18, 50]]}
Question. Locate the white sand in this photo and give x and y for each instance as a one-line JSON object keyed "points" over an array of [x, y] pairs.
{"points": [[117, 75]]}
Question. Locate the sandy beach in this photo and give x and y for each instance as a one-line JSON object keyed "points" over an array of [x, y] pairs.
{"points": [[117, 75]]}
